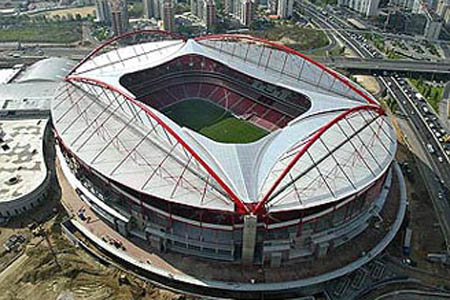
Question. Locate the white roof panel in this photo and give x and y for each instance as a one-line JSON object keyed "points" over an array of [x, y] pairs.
{"points": [[135, 149]]}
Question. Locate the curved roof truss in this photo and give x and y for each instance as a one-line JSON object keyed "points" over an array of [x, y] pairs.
{"points": [[286, 61], [116, 102], [138, 36], [359, 135], [323, 161]]}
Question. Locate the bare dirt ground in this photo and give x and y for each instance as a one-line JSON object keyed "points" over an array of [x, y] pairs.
{"points": [[83, 11], [369, 83], [349, 53], [68, 274], [53, 269]]}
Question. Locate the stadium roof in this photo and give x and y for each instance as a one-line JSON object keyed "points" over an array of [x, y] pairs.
{"points": [[334, 150]]}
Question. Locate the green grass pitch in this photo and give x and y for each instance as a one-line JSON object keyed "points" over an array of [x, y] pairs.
{"points": [[213, 121]]}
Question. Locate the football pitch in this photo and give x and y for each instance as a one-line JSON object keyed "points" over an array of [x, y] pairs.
{"points": [[213, 122]]}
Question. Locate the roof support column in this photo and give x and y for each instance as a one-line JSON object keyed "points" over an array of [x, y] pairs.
{"points": [[249, 239]]}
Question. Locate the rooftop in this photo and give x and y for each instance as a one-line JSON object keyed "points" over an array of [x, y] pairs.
{"points": [[7, 74], [331, 169], [22, 165], [32, 89]]}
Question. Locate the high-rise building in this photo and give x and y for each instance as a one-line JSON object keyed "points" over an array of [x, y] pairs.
{"points": [[273, 6], [229, 6], [368, 8], [194, 4], [201, 9], [285, 8], [160, 5], [447, 17], [209, 16], [168, 16], [198, 8], [433, 28], [247, 12], [407, 4], [442, 7], [149, 8], [103, 11], [119, 17]]}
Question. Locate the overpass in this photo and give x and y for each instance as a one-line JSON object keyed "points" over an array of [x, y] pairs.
{"points": [[373, 65]]}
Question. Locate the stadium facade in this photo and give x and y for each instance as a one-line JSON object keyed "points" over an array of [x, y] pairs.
{"points": [[310, 185]]}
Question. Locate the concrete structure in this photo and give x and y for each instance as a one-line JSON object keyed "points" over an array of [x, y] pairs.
{"points": [[194, 6], [285, 8], [446, 17], [210, 14], [433, 28], [369, 66], [402, 4], [249, 239], [149, 8], [8, 75], [316, 180], [168, 16], [158, 8], [119, 17], [247, 12], [442, 8], [368, 8], [205, 10], [24, 177], [272, 6], [103, 11], [30, 92], [242, 10], [24, 110], [198, 8]]}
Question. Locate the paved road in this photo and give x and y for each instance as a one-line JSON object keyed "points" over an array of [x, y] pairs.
{"points": [[429, 164], [356, 63]]}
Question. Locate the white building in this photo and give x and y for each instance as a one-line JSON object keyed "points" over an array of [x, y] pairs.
{"points": [[442, 7], [432, 29], [103, 11], [168, 16], [149, 9], [285, 8], [119, 17], [368, 8], [247, 12], [209, 15]]}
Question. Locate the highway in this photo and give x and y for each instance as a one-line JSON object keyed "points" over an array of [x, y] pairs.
{"points": [[424, 125], [374, 64], [433, 168]]}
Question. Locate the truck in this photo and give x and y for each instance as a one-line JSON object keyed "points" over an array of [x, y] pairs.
{"points": [[407, 242]]}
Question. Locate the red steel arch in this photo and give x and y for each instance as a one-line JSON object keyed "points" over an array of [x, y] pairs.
{"points": [[288, 50], [120, 37], [241, 207], [259, 208]]}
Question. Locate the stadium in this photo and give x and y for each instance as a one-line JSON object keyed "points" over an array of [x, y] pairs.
{"points": [[224, 148]]}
